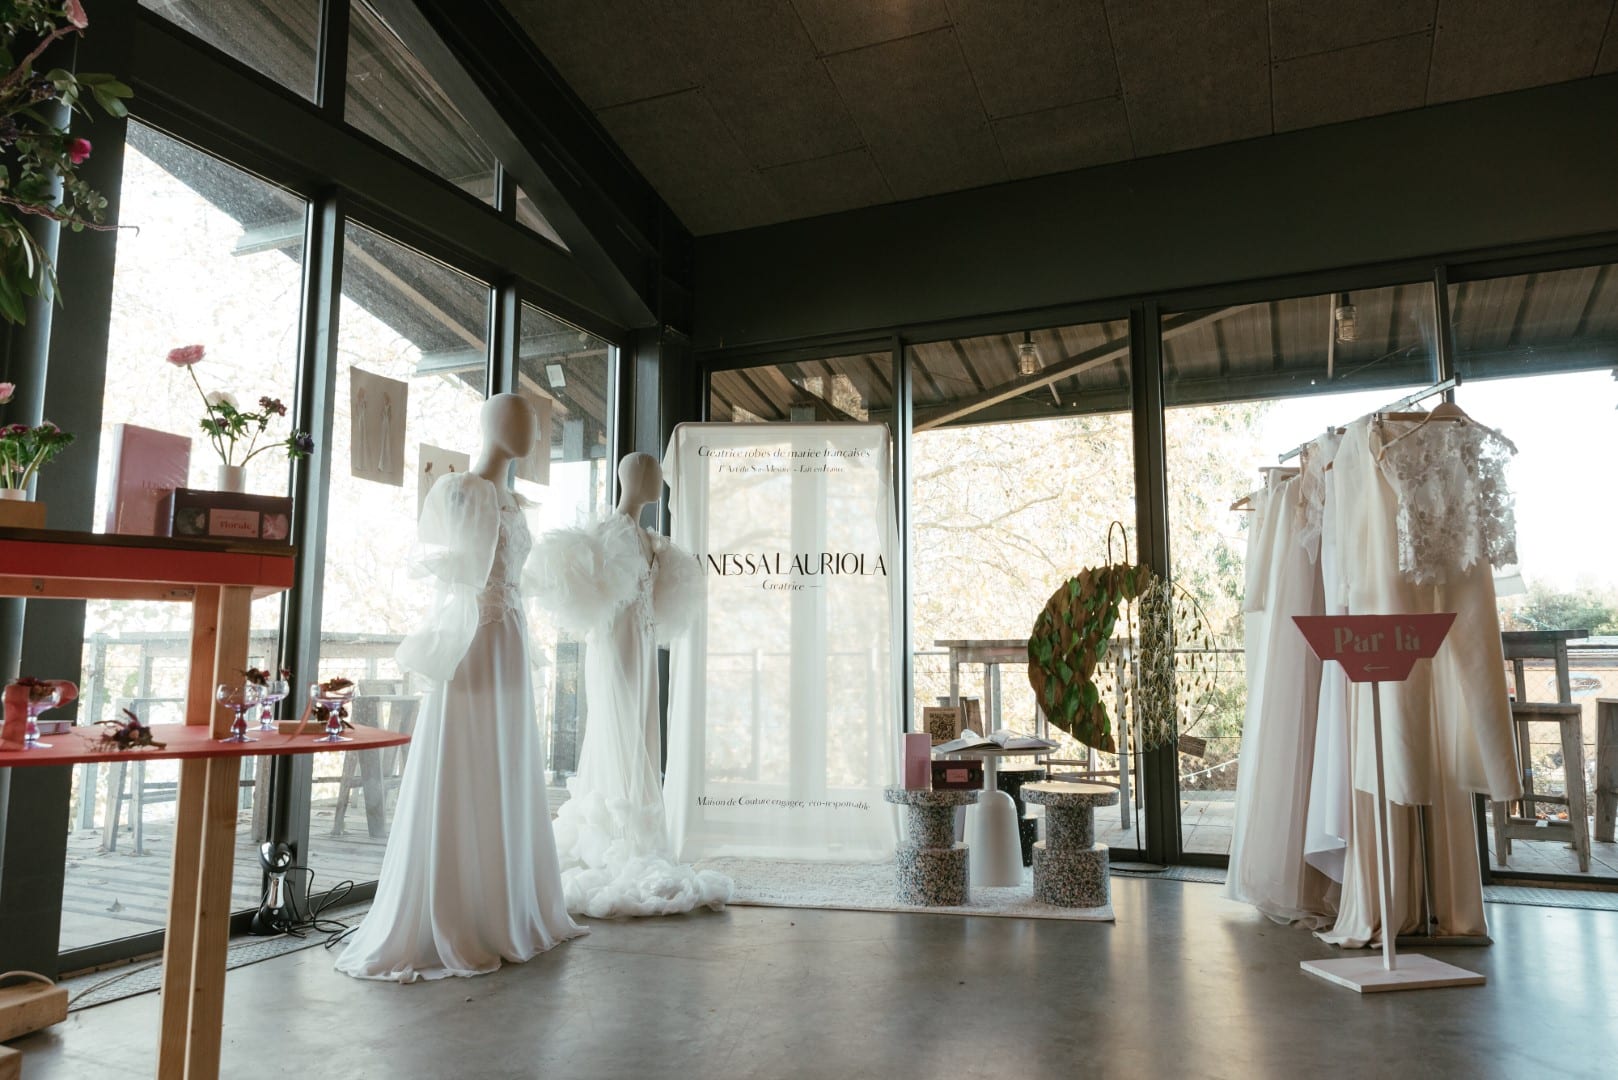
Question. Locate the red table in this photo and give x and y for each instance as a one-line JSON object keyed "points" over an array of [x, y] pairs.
{"points": [[219, 580]]}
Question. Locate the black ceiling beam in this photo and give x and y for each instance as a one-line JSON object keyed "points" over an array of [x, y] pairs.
{"points": [[612, 220]]}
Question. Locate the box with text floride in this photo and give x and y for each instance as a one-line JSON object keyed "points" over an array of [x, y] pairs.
{"points": [[228, 515]]}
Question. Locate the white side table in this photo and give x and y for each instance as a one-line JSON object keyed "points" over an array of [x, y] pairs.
{"points": [[991, 824]]}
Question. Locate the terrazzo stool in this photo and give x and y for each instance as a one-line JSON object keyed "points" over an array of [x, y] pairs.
{"points": [[931, 866], [1070, 868]]}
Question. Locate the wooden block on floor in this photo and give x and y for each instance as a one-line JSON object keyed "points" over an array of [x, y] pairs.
{"points": [[10, 1063], [30, 1007]]}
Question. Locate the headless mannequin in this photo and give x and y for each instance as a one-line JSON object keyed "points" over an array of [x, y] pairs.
{"points": [[640, 481], [509, 430]]}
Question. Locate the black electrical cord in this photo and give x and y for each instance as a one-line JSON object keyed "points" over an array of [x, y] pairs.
{"points": [[302, 923]]}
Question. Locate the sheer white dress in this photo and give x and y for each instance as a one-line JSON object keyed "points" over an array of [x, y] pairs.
{"points": [[470, 877], [627, 590]]}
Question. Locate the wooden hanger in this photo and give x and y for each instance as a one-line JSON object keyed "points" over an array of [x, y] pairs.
{"points": [[1245, 503], [1444, 410]]}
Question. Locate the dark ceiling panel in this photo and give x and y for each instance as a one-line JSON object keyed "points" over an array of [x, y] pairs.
{"points": [[1194, 73], [1037, 54], [609, 51], [1302, 27], [838, 25], [1069, 137], [1491, 46], [915, 103], [1607, 63], [1363, 80], [689, 155], [829, 184]]}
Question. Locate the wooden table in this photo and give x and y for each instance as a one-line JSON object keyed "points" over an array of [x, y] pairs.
{"points": [[219, 580]]}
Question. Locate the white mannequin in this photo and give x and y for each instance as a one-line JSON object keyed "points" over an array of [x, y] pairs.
{"points": [[640, 481], [509, 430]]}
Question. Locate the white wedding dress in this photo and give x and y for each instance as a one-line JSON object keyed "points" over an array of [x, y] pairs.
{"points": [[627, 590], [470, 876]]}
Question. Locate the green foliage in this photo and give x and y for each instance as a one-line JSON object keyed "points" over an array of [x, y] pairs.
{"points": [[24, 449], [38, 160], [1584, 608], [1070, 636]]}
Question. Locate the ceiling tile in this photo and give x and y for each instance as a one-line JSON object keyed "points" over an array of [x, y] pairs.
{"points": [[1301, 27], [828, 184], [1491, 46], [689, 156], [1607, 63], [1069, 137], [609, 51], [1346, 84], [836, 25], [1036, 54], [789, 114], [1194, 72], [915, 103]]}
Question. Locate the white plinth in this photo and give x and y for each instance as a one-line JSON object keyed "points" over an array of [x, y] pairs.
{"points": [[991, 834], [1367, 975]]}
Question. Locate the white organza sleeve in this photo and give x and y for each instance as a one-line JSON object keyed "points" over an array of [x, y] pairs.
{"points": [[456, 537], [579, 576], [679, 591]]}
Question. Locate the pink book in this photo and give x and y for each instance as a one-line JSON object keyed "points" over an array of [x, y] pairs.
{"points": [[918, 761], [146, 466]]}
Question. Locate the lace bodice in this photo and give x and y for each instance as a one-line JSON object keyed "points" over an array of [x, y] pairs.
{"points": [[1455, 507], [502, 594]]}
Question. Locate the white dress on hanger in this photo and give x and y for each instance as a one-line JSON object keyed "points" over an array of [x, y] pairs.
{"points": [[1330, 817], [627, 589], [1267, 867], [470, 877]]}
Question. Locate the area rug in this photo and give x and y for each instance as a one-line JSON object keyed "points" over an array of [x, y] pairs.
{"points": [[1588, 899], [869, 887]]}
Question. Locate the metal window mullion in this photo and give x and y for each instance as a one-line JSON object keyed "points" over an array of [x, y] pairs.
{"points": [[331, 59]]}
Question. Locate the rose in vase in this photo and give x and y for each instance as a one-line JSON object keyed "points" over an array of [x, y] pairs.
{"points": [[235, 432]]}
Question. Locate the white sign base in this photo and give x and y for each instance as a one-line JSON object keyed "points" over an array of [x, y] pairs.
{"points": [[1369, 975]]}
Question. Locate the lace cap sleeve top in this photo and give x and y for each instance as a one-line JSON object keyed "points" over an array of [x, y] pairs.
{"points": [[1455, 506]]}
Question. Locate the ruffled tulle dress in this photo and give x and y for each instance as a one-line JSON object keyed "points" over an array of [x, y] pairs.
{"points": [[627, 590], [470, 878]]}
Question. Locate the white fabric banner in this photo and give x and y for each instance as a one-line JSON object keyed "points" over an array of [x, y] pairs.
{"points": [[783, 704]]}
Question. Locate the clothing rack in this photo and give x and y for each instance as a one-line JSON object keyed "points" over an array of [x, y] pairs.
{"points": [[1445, 386]]}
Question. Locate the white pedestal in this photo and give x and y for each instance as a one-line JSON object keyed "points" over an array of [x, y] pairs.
{"points": [[1369, 975], [991, 834]]}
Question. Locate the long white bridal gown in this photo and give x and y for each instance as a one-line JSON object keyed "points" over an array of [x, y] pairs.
{"points": [[470, 877], [626, 589]]}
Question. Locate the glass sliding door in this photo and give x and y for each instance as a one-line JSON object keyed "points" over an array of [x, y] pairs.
{"points": [[1021, 461], [217, 262], [1243, 384]]}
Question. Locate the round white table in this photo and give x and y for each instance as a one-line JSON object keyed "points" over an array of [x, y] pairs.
{"points": [[991, 823]]}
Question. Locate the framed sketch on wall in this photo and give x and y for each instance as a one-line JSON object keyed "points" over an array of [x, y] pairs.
{"points": [[376, 435], [941, 722], [433, 462]]}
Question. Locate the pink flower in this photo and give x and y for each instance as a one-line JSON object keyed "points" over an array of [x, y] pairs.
{"points": [[75, 14], [78, 151], [185, 355], [6, 391]]}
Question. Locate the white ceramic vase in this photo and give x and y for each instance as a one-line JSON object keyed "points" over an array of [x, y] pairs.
{"points": [[232, 478]]}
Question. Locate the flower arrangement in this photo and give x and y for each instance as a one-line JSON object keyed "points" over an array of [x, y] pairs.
{"points": [[233, 431], [23, 449], [126, 735], [36, 153]]}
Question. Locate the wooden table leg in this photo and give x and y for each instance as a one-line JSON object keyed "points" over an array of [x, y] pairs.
{"points": [[373, 788]]}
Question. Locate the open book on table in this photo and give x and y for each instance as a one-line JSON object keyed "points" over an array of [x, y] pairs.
{"points": [[995, 740]]}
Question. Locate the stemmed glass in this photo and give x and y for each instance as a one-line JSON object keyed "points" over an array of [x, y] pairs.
{"points": [[273, 691], [36, 705], [238, 698], [333, 702]]}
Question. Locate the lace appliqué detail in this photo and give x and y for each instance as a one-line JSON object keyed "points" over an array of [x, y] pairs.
{"points": [[1455, 508], [502, 596]]}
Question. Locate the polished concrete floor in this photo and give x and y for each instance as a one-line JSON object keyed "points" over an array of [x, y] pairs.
{"points": [[1185, 984]]}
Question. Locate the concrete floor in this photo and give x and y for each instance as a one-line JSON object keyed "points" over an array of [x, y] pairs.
{"points": [[1185, 984]]}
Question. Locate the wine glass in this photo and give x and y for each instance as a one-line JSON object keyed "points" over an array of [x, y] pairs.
{"points": [[37, 705], [238, 698], [273, 690], [334, 701]]}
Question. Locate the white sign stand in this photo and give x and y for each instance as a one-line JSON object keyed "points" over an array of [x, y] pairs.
{"points": [[1413, 971]]}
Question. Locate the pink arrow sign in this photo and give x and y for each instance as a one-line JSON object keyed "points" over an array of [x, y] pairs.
{"points": [[1375, 648]]}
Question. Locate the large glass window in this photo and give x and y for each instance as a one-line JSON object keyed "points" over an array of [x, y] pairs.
{"points": [[1244, 384], [837, 388], [214, 260], [1021, 460], [392, 98], [412, 363], [1538, 354], [567, 372], [278, 38]]}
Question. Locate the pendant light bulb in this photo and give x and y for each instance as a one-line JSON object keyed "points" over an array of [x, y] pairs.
{"points": [[1348, 326], [1028, 359]]}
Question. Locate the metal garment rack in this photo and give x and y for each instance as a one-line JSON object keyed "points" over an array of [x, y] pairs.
{"points": [[1445, 387]]}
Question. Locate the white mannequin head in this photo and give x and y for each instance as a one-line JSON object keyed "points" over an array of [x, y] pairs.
{"points": [[509, 430], [640, 481]]}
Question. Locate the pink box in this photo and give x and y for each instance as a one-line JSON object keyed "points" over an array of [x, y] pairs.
{"points": [[147, 466], [918, 761]]}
